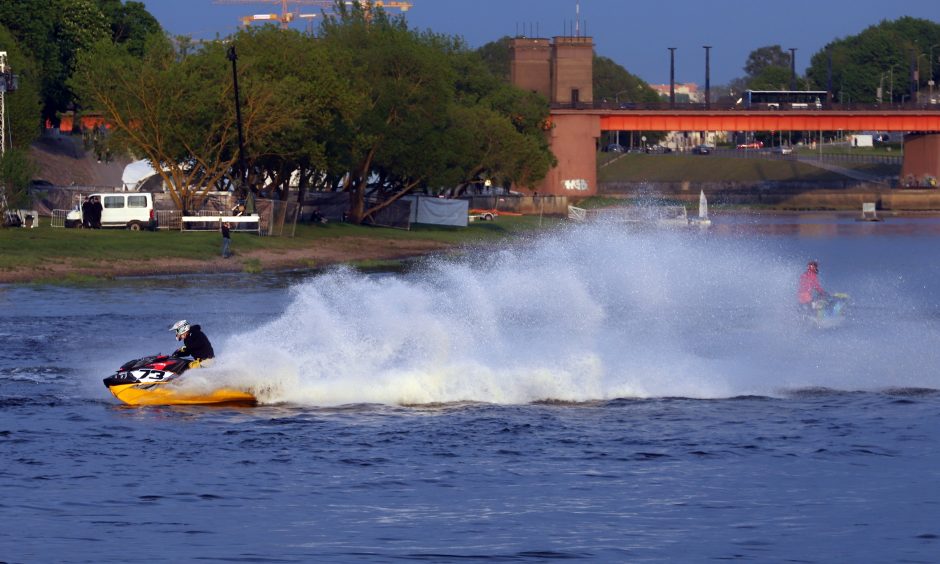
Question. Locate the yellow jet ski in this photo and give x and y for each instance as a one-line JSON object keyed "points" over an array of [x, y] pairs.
{"points": [[152, 380]]}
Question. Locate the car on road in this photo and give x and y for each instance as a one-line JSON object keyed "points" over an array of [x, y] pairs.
{"points": [[751, 145], [783, 150], [701, 150], [614, 148]]}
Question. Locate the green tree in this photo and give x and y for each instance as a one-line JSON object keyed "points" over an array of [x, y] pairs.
{"points": [[763, 57], [316, 98], [16, 170], [496, 55], [613, 83], [494, 131], [407, 87], [33, 24], [130, 23], [771, 78], [23, 106], [178, 113], [57, 31], [880, 57]]}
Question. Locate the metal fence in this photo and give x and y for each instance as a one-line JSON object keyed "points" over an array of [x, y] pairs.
{"points": [[276, 219], [396, 215], [57, 219], [169, 219], [279, 219]]}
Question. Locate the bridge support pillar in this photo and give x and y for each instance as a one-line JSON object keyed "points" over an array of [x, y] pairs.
{"points": [[573, 140], [921, 165], [563, 71]]}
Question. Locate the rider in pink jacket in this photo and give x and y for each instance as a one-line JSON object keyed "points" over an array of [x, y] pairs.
{"points": [[810, 288]]}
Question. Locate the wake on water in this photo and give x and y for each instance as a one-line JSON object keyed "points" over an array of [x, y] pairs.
{"points": [[588, 313]]}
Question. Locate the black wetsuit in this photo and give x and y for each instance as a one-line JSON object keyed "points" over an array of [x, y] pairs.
{"points": [[196, 345]]}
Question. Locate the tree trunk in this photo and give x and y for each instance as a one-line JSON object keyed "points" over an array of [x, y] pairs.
{"points": [[302, 186]]}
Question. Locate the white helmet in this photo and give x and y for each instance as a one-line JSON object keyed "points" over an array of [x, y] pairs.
{"points": [[181, 327]]}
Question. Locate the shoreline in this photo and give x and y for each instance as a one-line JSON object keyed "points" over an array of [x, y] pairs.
{"points": [[349, 250], [353, 250]]}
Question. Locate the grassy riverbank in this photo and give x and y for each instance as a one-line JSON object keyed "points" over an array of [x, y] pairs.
{"points": [[716, 168], [45, 254]]}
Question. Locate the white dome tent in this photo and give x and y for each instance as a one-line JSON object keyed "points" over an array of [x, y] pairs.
{"points": [[136, 174]]}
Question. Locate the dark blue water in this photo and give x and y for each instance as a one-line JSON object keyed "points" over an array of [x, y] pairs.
{"points": [[593, 395]]}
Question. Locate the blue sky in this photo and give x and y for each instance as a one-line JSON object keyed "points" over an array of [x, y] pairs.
{"points": [[634, 34]]}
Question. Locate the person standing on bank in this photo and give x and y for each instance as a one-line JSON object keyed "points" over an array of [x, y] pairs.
{"points": [[86, 213], [96, 210], [226, 240]]}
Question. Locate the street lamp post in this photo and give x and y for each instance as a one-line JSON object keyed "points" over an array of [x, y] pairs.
{"points": [[708, 84], [793, 68], [930, 61], [617, 102], [891, 84], [913, 76], [672, 77], [233, 56]]}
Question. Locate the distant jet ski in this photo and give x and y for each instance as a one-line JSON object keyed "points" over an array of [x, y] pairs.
{"points": [[154, 380], [830, 311]]}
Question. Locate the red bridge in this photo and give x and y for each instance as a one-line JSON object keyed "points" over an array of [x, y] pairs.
{"points": [[786, 120], [562, 70]]}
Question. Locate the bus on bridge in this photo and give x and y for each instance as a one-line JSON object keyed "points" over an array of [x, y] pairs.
{"points": [[783, 99]]}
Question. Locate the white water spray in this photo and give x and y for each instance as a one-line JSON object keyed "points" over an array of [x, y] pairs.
{"points": [[589, 313]]}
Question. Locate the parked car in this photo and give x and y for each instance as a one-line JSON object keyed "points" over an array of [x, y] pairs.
{"points": [[701, 150], [482, 214], [751, 145], [783, 150], [133, 210], [614, 148], [658, 149]]}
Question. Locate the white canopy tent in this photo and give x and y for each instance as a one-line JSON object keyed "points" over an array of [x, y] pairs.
{"points": [[135, 174]]}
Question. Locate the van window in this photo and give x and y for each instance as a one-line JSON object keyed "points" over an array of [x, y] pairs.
{"points": [[137, 201], [113, 202]]}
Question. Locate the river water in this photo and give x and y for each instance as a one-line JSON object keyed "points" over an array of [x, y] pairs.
{"points": [[595, 393]]}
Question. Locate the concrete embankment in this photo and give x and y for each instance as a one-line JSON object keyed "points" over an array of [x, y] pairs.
{"points": [[783, 195]]}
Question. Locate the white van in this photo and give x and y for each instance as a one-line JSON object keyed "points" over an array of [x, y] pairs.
{"points": [[133, 211]]}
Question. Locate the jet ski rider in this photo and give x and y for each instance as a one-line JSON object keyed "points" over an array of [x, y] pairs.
{"points": [[195, 343], [810, 290]]}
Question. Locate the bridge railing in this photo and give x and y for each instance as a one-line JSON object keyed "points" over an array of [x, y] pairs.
{"points": [[731, 105]]}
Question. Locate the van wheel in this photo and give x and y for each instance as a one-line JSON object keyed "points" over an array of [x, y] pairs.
{"points": [[488, 217], [134, 226]]}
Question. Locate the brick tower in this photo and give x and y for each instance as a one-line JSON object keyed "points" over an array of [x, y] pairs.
{"points": [[563, 72]]}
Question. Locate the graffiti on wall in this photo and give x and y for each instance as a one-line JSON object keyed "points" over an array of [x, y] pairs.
{"points": [[576, 184]]}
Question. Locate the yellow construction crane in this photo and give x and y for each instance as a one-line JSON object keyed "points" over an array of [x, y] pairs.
{"points": [[287, 15]]}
